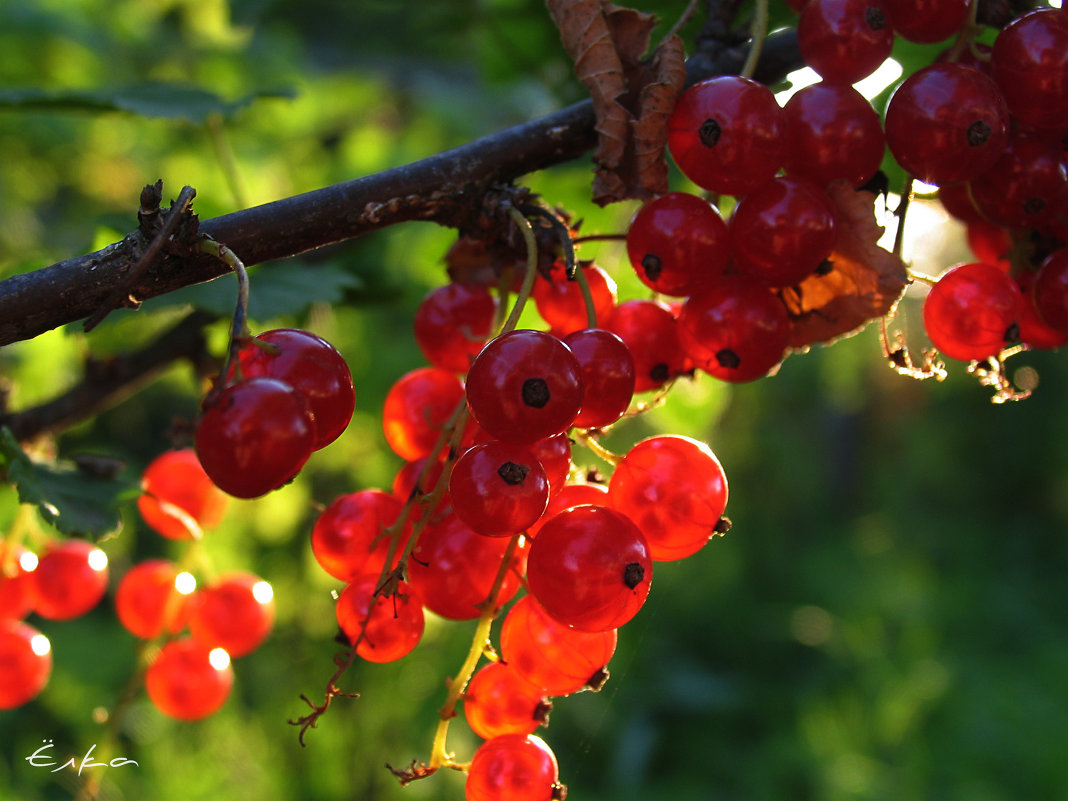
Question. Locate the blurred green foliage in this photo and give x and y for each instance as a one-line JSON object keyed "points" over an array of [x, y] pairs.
{"points": [[886, 620]]}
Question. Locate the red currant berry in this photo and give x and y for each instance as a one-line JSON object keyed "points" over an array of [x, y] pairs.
{"points": [[957, 201], [607, 376], [149, 602], [1024, 185], [513, 767], [560, 302], [556, 658], [383, 627], [1050, 290], [783, 231], [832, 133], [649, 330], [1030, 64], [70, 579], [254, 436], [498, 488], [452, 323], [179, 499], [314, 368], [972, 312], [844, 40], [554, 454], [498, 700], [926, 21], [347, 538], [16, 591], [677, 243], [726, 134], [946, 123], [990, 243], [25, 663], [675, 491], [1034, 331], [235, 613], [417, 408], [589, 568], [189, 681], [453, 568], [570, 495], [736, 331], [524, 386]]}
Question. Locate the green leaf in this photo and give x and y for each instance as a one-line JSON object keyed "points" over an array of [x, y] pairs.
{"points": [[76, 502], [280, 289], [172, 101]]}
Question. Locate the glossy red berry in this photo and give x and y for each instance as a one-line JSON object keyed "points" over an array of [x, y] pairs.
{"points": [[832, 133], [957, 201], [649, 330], [554, 454], [726, 134], [25, 663], [990, 243], [607, 376], [926, 21], [560, 302], [677, 243], [347, 538], [524, 386], [235, 613], [417, 408], [736, 331], [844, 40], [1050, 290], [1030, 64], [972, 312], [783, 231], [513, 767], [556, 658], [395, 624], [452, 323], [498, 700], [1025, 184], [590, 568], [498, 488], [254, 436], [189, 681], [675, 491], [570, 495], [946, 123], [179, 499], [70, 579], [1034, 331], [16, 591], [148, 600], [314, 368], [453, 568]]}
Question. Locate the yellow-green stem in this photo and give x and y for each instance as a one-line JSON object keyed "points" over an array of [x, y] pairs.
{"points": [[758, 33], [527, 230]]}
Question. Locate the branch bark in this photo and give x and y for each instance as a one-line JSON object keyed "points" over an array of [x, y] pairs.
{"points": [[445, 188]]}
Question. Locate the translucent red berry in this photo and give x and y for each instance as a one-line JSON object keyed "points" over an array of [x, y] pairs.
{"points": [[926, 21], [383, 627], [452, 323], [726, 134], [235, 613], [1025, 184], [557, 658], [560, 302], [16, 591], [25, 663], [589, 568], [348, 537], [972, 312], [70, 579], [314, 368], [188, 680], [1050, 290], [498, 488], [149, 602], [946, 123], [677, 243], [844, 40], [649, 330], [608, 376], [524, 386], [513, 767], [179, 499], [554, 454], [417, 408], [570, 495], [736, 330], [498, 700], [254, 436], [1030, 64]]}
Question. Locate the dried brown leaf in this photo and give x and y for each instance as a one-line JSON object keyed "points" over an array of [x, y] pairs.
{"points": [[863, 283]]}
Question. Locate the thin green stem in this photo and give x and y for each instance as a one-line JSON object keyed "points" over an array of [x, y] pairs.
{"points": [[527, 230], [758, 34], [239, 325]]}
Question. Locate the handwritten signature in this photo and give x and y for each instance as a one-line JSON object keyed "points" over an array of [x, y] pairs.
{"points": [[41, 759]]}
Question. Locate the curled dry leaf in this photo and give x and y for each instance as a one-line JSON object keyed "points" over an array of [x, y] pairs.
{"points": [[863, 281], [632, 98]]}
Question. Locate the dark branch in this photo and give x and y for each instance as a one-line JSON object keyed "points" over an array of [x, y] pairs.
{"points": [[444, 188]]}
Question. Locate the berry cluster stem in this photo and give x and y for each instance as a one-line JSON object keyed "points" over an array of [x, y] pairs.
{"points": [[759, 33], [239, 326]]}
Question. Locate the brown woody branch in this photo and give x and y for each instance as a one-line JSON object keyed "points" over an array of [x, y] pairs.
{"points": [[445, 188]]}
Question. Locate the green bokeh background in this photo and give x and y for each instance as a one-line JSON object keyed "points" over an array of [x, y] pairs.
{"points": [[886, 620]]}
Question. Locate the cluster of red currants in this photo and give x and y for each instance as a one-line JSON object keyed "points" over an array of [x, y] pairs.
{"points": [[489, 501], [288, 394]]}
